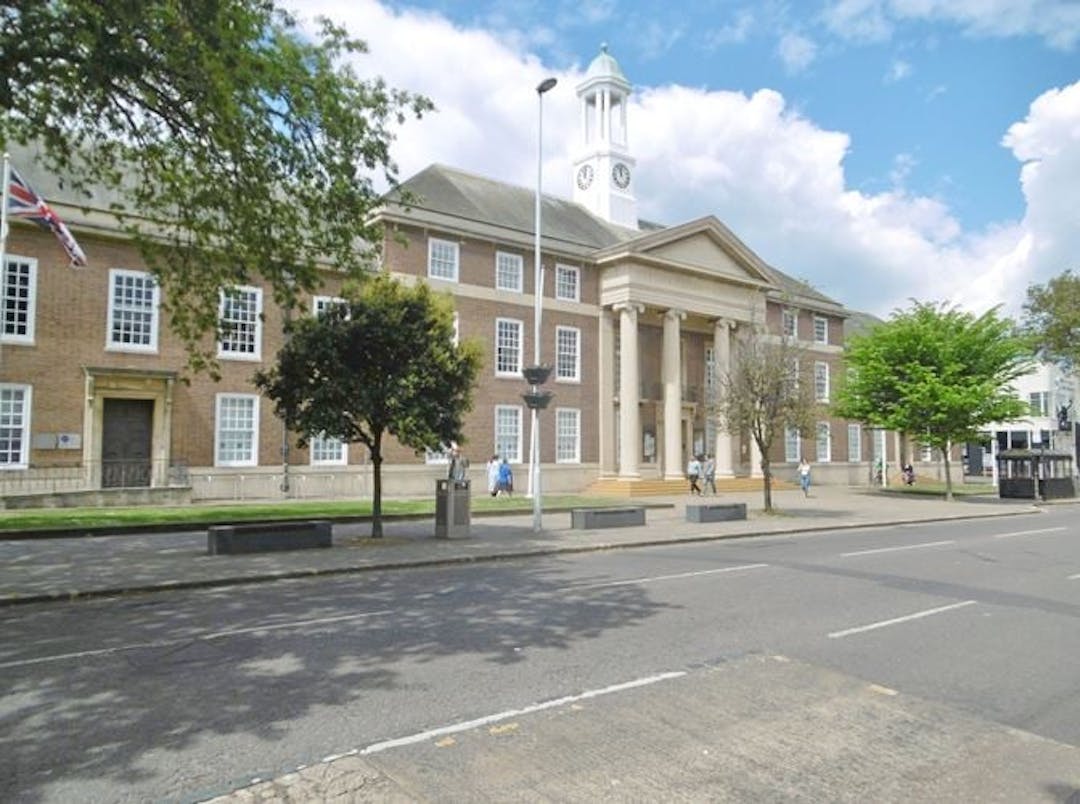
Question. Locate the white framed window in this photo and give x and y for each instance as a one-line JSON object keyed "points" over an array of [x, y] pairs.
{"points": [[789, 323], [508, 432], [792, 444], [236, 430], [14, 426], [854, 443], [823, 442], [442, 260], [567, 435], [567, 354], [240, 319], [507, 348], [328, 451], [18, 299], [567, 282], [793, 371], [821, 381], [1039, 402], [320, 304], [509, 272], [926, 453], [134, 299], [821, 329]]}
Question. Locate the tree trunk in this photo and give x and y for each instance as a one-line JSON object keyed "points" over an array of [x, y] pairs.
{"points": [[376, 497], [948, 475], [766, 482]]}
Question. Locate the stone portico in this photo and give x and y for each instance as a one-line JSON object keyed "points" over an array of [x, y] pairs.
{"points": [[691, 288]]}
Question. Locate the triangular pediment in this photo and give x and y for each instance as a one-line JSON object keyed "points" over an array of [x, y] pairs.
{"points": [[703, 246]]}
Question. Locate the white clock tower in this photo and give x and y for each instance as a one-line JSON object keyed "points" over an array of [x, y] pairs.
{"points": [[604, 171]]}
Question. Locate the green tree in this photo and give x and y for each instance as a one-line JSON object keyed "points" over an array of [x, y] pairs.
{"points": [[935, 373], [767, 389], [237, 144], [384, 363], [1052, 318]]}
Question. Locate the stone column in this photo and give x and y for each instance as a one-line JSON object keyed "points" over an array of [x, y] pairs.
{"points": [[629, 392], [722, 366], [607, 393], [671, 374]]}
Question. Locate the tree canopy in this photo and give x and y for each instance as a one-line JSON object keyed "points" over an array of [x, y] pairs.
{"points": [[240, 145], [383, 364], [1052, 318], [764, 392], [935, 373]]}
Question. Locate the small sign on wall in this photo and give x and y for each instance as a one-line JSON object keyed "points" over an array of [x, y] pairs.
{"points": [[43, 441], [69, 441]]}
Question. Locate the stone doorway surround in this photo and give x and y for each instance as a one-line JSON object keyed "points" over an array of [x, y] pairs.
{"points": [[103, 383]]}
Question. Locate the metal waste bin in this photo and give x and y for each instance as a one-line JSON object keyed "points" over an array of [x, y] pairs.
{"points": [[452, 504]]}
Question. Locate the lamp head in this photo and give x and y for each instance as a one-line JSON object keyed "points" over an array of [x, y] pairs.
{"points": [[545, 85]]}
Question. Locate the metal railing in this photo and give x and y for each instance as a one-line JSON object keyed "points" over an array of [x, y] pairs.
{"points": [[44, 478]]}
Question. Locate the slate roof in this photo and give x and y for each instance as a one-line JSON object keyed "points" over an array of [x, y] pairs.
{"points": [[478, 200]]}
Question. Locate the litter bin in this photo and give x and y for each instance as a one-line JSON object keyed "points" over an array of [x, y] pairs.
{"points": [[452, 503]]}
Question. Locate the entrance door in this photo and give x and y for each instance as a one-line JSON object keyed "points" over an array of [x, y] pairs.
{"points": [[127, 433]]}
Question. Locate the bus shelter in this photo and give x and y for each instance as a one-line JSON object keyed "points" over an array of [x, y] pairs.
{"points": [[1035, 474]]}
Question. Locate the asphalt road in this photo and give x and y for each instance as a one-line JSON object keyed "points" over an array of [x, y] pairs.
{"points": [[186, 695]]}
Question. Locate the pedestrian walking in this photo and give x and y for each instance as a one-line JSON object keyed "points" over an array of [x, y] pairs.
{"points": [[710, 474], [493, 475], [506, 478], [804, 476], [693, 473], [459, 466]]}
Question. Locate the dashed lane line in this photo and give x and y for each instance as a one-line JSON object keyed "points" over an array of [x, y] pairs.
{"points": [[168, 643], [896, 620], [632, 581], [1027, 532], [895, 549]]}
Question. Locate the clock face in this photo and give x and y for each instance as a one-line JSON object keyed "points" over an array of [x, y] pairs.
{"points": [[620, 174], [584, 176]]}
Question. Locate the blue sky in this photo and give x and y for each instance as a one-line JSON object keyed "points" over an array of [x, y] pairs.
{"points": [[879, 149]]}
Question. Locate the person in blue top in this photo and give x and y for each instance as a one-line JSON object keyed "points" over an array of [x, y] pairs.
{"points": [[506, 478]]}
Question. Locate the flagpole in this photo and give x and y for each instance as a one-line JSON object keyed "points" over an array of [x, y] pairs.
{"points": [[3, 238]]}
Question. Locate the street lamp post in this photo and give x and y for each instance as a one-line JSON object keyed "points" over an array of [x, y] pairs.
{"points": [[537, 374]]}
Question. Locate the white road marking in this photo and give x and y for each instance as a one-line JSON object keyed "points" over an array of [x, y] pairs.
{"points": [[1027, 532], [893, 549], [166, 643], [1075, 577], [466, 725], [664, 577], [907, 617]]}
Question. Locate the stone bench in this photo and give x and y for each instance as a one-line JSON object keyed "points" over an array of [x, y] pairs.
{"points": [[715, 512], [592, 518], [255, 537]]}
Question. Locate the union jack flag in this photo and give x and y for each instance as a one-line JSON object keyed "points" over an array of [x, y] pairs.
{"points": [[23, 202]]}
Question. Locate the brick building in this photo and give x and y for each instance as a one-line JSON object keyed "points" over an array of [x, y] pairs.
{"points": [[636, 319]]}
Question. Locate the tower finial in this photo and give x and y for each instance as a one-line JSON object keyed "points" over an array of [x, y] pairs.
{"points": [[603, 47]]}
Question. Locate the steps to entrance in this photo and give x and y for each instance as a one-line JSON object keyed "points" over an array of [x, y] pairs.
{"points": [[655, 487]]}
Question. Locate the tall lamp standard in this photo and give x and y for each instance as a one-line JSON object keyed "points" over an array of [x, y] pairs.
{"points": [[537, 374]]}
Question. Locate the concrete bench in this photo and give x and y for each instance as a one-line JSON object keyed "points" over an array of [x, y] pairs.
{"points": [[715, 512], [591, 518], [255, 537]]}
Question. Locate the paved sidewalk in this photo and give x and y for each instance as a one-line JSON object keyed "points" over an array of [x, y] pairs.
{"points": [[70, 568]]}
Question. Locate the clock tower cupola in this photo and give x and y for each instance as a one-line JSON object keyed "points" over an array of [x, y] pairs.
{"points": [[604, 170]]}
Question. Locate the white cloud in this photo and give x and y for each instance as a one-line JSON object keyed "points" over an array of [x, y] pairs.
{"points": [[796, 52], [734, 32], [898, 71], [1056, 21], [774, 176]]}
